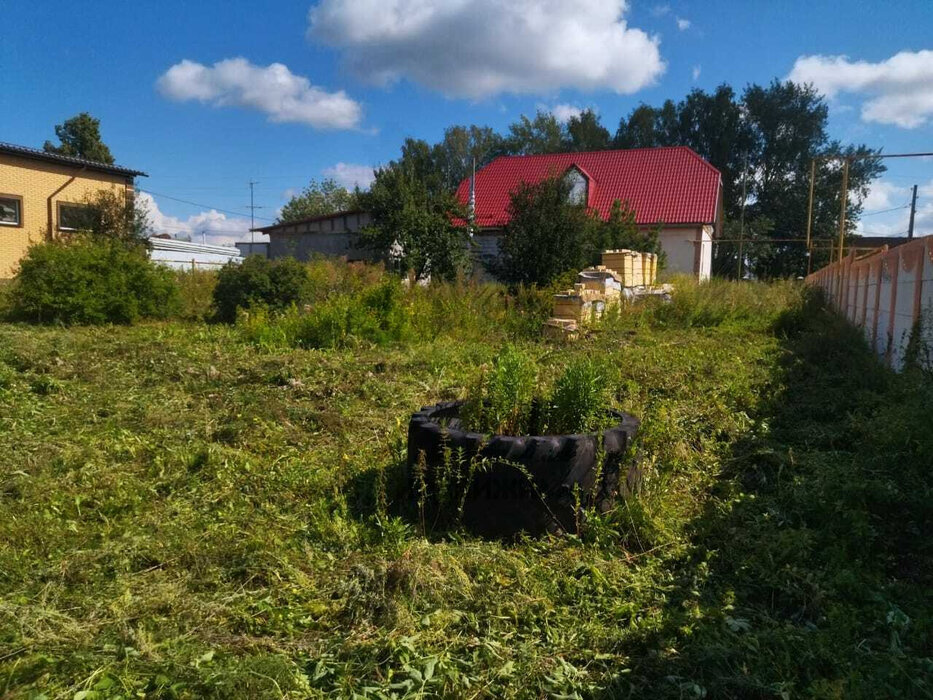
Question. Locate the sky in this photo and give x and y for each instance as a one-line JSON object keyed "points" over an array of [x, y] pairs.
{"points": [[206, 96]]}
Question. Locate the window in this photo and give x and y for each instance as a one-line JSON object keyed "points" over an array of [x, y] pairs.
{"points": [[578, 185], [74, 217], [11, 210]]}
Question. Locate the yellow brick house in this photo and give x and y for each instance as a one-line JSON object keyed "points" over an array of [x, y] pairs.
{"points": [[42, 196]]}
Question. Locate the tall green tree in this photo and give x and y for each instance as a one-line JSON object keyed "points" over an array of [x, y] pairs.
{"points": [[461, 146], [585, 132], [766, 138], [789, 125], [543, 134], [79, 137], [319, 199], [418, 225], [546, 235]]}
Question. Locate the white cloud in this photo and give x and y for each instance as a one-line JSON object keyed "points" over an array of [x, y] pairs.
{"points": [[480, 48], [696, 72], [899, 89], [564, 112], [273, 90], [216, 227], [683, 24], [883, 194], [351, 175], [660, 10]]}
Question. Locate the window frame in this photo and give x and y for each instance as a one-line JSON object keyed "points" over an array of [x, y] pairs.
{"points": [[58, 219], [574, 176], [20, 218]]}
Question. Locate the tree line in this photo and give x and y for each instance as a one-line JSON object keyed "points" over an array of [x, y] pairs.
{"points": [[762, 140]]}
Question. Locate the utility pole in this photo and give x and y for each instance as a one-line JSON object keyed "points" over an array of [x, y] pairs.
{"points": [[738, 262], [913, 210], [845, 202], [252, 215], [810, 217]]}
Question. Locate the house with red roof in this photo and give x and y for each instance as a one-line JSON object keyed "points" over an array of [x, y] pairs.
{"points": [[670, 187]]}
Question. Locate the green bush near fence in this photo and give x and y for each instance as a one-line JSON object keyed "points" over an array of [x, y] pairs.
{"points": [[257, 281], [87, 280]]}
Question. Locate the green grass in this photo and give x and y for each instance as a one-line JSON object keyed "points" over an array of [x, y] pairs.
{"points": [[189, 514]]}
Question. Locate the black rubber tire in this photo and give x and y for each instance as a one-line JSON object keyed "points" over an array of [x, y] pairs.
{"points": [[502, 500]]}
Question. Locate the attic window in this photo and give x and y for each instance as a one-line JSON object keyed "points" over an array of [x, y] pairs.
{"points": [[578, 186]]}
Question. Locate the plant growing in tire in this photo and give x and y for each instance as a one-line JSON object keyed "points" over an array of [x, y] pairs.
{"points": [[511, 458]]}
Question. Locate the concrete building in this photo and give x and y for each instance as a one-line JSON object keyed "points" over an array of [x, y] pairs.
{"points": [[335, 235], [673, 188], [42, 196]]}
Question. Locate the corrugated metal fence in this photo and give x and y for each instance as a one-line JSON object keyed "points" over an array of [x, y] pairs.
{"points": [[889, 295]]}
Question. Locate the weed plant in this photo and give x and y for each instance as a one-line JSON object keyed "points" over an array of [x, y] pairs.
{"points": [[188, 516]]}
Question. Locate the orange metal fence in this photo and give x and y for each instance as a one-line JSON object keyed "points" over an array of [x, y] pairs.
{"points": [[889, 295]]}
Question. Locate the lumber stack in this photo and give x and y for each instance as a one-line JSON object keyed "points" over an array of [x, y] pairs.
{"points": [[598, 287]]}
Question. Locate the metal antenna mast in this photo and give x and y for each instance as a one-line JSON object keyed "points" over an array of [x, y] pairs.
{"points": [[252, 214]]}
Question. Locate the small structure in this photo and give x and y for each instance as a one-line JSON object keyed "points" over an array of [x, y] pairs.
{"points": [[335, 235], [185, 255]]}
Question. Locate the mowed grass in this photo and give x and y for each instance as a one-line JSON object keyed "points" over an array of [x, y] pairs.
{"points": [[189, 513]]}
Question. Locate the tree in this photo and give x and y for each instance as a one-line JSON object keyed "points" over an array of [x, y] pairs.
{"points": [[543, 134], [319, 199], [417, 222], [80, 138], [462, 145], [789, 126], [546, 235], [619, 230], [766, 138], [585, 132], [112, 215]]}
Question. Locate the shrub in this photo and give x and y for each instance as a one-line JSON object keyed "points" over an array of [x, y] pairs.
{"points": [[378, 315], [196, 292], [506, 399], [276, 284], [580, 398], [85, 280]]}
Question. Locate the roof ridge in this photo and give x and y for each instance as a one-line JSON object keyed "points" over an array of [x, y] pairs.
{"points": [[29, 152]]}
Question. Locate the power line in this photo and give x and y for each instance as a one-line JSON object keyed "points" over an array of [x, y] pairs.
{"points": [[203, 206], [885, 211]]}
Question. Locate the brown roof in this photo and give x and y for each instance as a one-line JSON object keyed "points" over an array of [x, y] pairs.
{"points": [[36, 154]]}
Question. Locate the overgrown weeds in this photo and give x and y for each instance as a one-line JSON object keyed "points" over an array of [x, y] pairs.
{"points": [[187, 517]]}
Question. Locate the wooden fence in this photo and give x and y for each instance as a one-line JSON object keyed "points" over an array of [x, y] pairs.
{"points": [[889, 295]]}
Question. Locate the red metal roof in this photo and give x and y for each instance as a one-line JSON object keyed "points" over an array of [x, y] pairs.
{"points": [[671, 185]]}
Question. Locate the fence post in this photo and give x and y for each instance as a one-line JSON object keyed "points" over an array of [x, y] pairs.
{"points": [[894, 275]]}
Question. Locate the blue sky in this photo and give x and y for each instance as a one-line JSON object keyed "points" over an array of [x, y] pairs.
{"points": [[358, 76]]}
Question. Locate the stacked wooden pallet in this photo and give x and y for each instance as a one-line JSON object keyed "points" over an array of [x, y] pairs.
{"points": [[600, 286], [636, 269]]}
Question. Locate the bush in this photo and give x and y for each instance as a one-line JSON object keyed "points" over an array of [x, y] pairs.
{"points": [[196, 291], [378, 315], [91, 281], [506, 399], [580, 398], [257, 281]]}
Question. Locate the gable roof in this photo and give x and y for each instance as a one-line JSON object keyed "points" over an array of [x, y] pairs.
{"points": [[36, 154], [670, 185]]}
